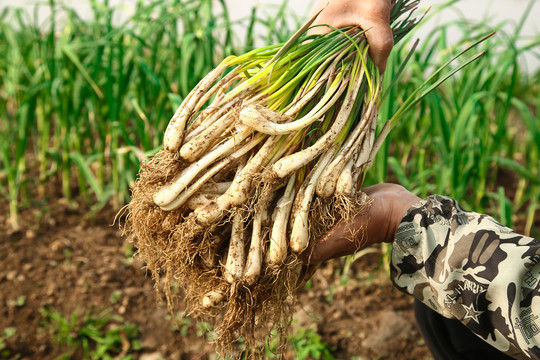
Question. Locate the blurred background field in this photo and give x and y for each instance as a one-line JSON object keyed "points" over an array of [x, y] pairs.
{"points": [[85, 98]]}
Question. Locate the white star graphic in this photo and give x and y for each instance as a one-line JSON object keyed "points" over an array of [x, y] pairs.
{"points": [[472, 313]]}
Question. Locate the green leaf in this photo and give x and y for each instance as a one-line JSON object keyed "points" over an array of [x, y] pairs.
{"points": [[75, 60], [89, 177]]}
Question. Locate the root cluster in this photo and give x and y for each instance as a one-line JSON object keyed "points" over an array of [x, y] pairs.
{"points": [[184, 253]]}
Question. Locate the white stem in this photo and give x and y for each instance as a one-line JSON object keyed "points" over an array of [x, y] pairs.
{"points": [[249, 115], [327, 184], [180, 182], [254, 259], [198, 145], [211, 118], [300, 228], [235, 257], [193, 188], [216, 188], [205, 116], [368, 149], [240, 188], [378, 143], [175, 129], [213, 211], [270, 223], [277, 251], [292, 163], [213, 298], [345, 182], [222, 84], [198, 200], [321, 80]]}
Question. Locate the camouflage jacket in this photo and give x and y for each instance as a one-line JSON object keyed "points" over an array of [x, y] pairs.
{"points": [[467, 266]]}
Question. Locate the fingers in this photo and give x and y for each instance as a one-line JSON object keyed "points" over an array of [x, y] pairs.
{"points": [[390, 203], [342, 240], [371, 15], [381, 42]]}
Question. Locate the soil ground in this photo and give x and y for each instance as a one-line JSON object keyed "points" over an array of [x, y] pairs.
{"points": [[64, 263]]}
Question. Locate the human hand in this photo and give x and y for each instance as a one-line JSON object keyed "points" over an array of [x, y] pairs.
{"points": [[390, 203], [371, 15]]}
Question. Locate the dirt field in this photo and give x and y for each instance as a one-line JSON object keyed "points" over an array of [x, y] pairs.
{"points": [[66, 264]]}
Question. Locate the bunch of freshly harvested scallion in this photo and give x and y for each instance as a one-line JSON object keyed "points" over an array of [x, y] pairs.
{"points": [[263, 156]]}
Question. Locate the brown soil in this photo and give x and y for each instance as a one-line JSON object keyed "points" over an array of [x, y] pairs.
{"points": [[62, 261]]}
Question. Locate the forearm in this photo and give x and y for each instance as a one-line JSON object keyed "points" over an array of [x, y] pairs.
{"points": [[467, 266]]}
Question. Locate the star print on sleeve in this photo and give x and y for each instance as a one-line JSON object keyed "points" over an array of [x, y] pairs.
{"points": [[471, 313]]}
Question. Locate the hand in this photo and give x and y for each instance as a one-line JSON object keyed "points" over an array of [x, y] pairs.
{"points": [[371, 15], [390, 203]]}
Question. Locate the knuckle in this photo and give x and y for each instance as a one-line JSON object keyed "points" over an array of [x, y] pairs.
{"points": [[386, 44]]}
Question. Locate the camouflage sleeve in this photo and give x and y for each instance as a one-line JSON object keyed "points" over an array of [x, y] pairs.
{"points": [[467, 266]]}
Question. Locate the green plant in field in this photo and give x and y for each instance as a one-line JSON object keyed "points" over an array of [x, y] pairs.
{"points": [[68, 254], [5, 353], [19, 302], [205, 329], [115, 297], [129, 251], [309, 345], [97, 335], [306, 343], [180, 323]]}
